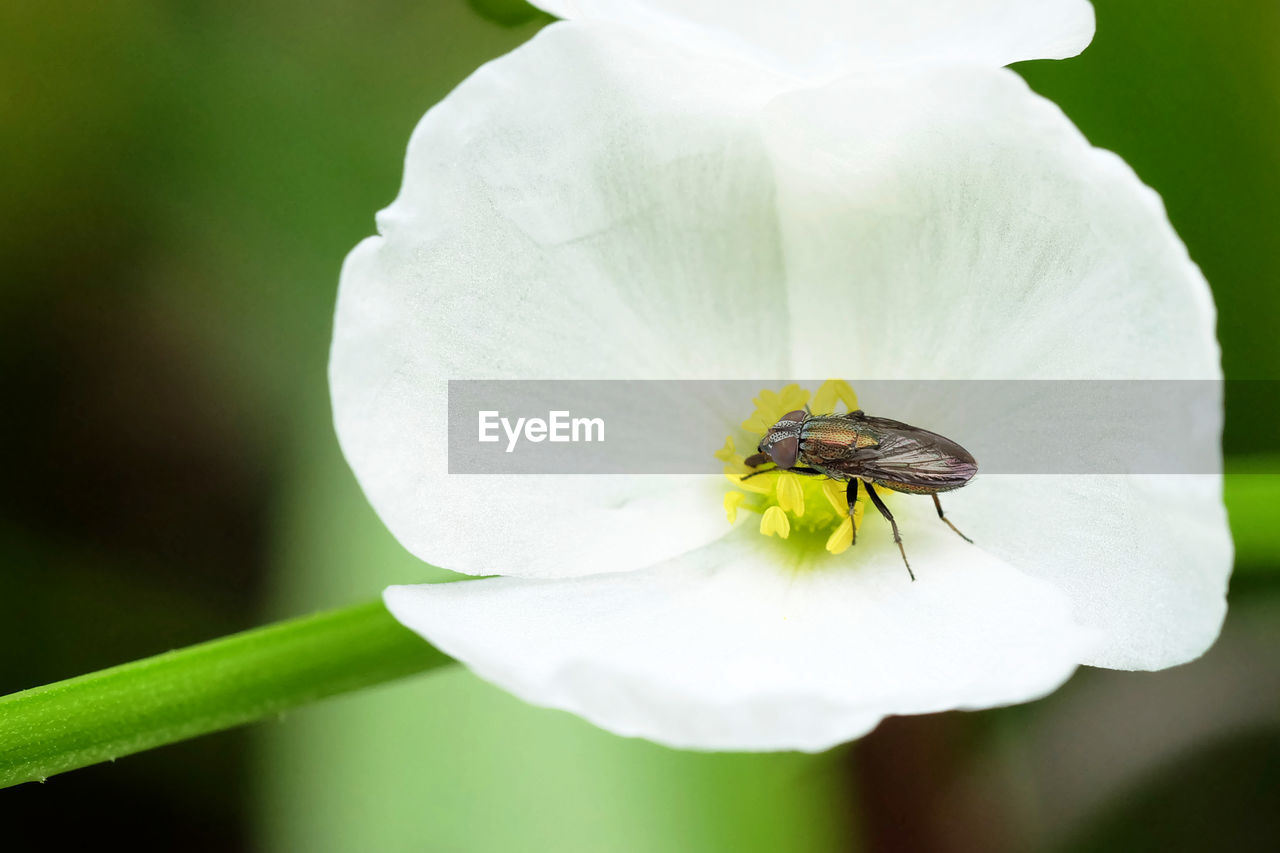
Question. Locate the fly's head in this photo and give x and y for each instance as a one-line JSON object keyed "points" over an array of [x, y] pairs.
{"points": [[781, 443]]}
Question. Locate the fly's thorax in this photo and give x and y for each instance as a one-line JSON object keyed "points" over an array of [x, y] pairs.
{"points": [[827, 437], [838, 430]]}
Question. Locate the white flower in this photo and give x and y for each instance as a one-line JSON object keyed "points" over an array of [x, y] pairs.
{"points": [[600, 205], [821, 40]]}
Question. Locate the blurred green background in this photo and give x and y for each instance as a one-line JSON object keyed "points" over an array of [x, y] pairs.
{"points": [[179, 183]]}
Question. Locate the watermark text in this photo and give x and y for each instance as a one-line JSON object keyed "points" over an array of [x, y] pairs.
{"points": [[557, 426]]}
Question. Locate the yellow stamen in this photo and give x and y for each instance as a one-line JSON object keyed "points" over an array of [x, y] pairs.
{"points": [[774, 521], [842, 538], [824, 402], [816, 509], [838, 493], [771, 406], [790, 495], [762, 485], [732, 500]]}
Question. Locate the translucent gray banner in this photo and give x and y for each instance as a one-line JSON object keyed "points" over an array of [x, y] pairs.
{"points": [[676, 426]]}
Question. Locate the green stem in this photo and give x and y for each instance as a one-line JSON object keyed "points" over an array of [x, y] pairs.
{"points": [[205, 688], [258, 674], [1252, 495]]}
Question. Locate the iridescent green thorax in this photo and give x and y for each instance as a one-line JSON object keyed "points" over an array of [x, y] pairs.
{"points": [[823, 437]]}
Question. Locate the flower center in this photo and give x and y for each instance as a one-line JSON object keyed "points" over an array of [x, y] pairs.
{"points": [[811, 510]]}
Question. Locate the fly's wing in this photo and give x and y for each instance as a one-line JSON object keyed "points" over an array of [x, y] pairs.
{"points": [[908, 458]]}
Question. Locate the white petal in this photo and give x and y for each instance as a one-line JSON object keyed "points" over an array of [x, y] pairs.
{"points": [[586, 207], [821, 39], [928, 224], [729, 647], [961, 227], [969, 231], [1145, 559]]}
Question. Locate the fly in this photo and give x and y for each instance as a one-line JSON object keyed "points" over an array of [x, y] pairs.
{"points": [[856, 447]]}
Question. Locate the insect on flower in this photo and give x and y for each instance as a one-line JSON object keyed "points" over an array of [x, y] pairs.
{"points": [[878, 451]]}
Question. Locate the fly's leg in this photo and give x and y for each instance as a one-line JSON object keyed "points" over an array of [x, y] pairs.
{"points": [[897, 538], [757, 473], [808, 472], [938, 504], [851, 492]]}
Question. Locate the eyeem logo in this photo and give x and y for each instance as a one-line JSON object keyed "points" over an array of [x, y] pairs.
{"points": [[557, 427]]}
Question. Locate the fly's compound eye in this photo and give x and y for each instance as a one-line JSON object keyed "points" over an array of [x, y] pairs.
{"points": [[782, 444], [784, 451]]}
